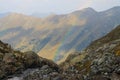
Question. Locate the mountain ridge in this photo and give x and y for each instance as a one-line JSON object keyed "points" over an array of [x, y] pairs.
{"points": [[57, 35]]}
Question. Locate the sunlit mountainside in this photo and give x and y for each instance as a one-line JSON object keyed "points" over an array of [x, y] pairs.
{"points": [[56, 36]]}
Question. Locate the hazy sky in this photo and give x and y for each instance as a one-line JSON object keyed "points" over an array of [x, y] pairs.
{"points": [[54, 6]]}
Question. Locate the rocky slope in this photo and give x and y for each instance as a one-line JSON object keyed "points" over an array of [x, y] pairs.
{"points": [[99, 61], [15, 65], [57, 35]]}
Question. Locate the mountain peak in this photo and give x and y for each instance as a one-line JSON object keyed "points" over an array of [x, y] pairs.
{"points": [[88, 9], [85, 10]]}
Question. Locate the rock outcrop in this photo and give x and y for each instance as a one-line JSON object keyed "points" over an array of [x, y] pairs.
{"points": [[15, 65]]}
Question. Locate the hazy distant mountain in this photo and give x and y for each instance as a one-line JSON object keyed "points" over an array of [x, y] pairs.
{"points": [[56, 36], [40, 15], [4, 14]]}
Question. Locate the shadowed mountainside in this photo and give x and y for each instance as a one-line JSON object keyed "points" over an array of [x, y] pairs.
{"points": [[57, 36]]}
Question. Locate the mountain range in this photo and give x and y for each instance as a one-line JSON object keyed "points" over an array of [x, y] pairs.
{"points": [[57, 36]]}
